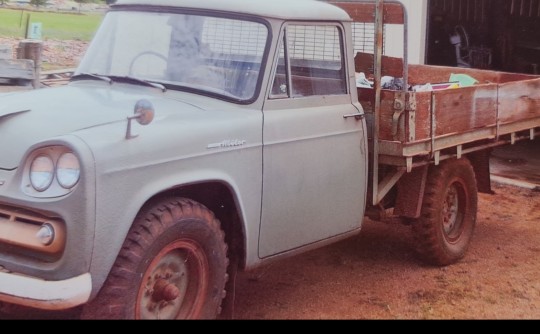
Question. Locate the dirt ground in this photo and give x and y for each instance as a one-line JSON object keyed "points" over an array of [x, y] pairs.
{"points": [[376, 275]]}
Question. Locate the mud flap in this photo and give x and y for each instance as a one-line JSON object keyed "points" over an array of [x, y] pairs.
{"points": [[480, 162], [410, 193]]}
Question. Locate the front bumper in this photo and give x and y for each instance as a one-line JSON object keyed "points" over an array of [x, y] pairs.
{"points": [[47, 295]]}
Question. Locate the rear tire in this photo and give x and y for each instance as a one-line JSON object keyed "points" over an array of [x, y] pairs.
{"points": [[448, 219], [173, 265]]}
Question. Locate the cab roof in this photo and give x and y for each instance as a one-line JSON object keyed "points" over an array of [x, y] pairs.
{"points": [[282, 9]]}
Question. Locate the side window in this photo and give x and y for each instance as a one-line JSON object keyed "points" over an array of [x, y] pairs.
{"points": [[310, 62]]}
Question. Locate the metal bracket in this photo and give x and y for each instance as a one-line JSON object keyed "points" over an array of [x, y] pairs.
{"points": [[404, 102], [411, 109], [399, 109], [388, 183]]}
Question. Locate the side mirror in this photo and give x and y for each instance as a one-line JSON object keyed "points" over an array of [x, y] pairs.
{"points": [[143, 113]]}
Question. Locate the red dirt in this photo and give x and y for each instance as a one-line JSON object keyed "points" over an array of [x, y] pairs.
{"points": [[377, 275]]}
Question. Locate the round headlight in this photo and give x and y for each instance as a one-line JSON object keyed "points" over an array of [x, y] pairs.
{"points": [[41, 172], [68, 170]]}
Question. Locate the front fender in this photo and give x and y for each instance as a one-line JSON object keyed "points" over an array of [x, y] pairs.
{"points": [[119, 201]]}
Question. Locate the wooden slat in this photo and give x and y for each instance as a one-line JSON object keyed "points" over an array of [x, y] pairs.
{"points": [[422, 74], [519, 100], [464, 109], [22, 69], [365, 12], [423, 115], [386, 118], [391, 66]]}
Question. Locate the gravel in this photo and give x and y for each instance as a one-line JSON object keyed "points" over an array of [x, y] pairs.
{"points": [[57, 54]]}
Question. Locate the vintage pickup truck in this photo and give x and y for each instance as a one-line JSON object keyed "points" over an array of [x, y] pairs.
{"points": [[202, 137]]}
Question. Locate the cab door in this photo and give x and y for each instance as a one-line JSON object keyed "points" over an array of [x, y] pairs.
{"points": [[315, 157]]}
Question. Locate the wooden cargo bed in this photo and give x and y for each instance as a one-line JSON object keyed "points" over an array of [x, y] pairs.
{"points": [[415, 128], [499, 108]]}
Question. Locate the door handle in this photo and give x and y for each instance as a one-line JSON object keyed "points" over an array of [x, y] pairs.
{"points": [[357, 116]]}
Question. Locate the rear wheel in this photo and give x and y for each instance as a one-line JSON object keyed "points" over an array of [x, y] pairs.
{"points": [[173, 265], [445, 228]]}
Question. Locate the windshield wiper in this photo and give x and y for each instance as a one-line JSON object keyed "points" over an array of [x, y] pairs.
{"points": [[92, 76], [113, 78], [140, 81]]}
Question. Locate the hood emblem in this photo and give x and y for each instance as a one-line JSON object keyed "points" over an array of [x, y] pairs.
{"points": [[227, 143]]}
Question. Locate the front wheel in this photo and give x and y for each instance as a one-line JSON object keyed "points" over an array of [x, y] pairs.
{"points": [[448, 219], [173, 265]]}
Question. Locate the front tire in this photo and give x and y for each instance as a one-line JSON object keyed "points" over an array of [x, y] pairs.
{"points": [[173, 265], [448, 219]]}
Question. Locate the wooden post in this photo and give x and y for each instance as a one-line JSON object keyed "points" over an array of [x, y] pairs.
{"points": [[32, 49]]}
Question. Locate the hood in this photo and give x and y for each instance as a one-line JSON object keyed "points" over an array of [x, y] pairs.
{"points": [[28, 118]]}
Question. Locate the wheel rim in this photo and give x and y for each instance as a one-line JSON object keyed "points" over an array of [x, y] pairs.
{"points": [[453, 208], [175, 283]]}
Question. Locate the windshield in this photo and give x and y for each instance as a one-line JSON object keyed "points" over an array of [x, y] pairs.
{"points": [[204, 54]]}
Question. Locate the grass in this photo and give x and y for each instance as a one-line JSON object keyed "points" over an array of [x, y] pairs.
{"points": [[62, 26]]}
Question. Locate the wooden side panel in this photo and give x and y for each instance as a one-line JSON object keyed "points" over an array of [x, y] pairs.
{"points": [[423, 74], [366, 96], [464, 109], [422, 119], [386, 119], [519, 100], [455, 111], [364, 12], [364, 62], [511, 77], [509, 96], [423, 115]]}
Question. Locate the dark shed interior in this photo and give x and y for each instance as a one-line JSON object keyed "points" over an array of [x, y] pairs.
{"points": [[501, 35]]}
